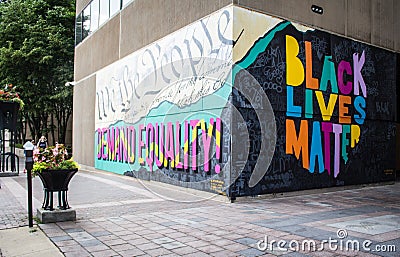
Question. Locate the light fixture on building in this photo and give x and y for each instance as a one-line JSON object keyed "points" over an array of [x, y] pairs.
{"points": [[70, 83], [317, 9]]}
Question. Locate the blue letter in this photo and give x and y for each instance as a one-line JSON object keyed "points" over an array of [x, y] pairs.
{"points": [[359, 105], [292, 110], [316, 148]]}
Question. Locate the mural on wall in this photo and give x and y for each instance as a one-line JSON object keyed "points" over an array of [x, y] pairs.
{"points": [[160, 144], [344, 96], [161, 111], [334, 108], [167, 112]]}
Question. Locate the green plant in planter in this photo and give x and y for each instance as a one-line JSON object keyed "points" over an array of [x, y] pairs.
{"points": [[9, 94], [52, 158]]}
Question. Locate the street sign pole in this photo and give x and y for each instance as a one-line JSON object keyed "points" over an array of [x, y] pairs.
{"points": [[28, 146]]}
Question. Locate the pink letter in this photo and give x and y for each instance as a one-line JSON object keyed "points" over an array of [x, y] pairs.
{"points": [[110, 142], [194, 124], [327, 129], [116, 145], [207, 142], [122, 145], [104, 155], [218, 145], [159, 135], [99, 143], [169, 146], [186, 147], [344, 67], [150, 146], [178, 163], [141, 144], [132, 144]]}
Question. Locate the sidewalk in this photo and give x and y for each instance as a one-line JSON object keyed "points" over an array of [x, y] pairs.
{"points": [[121, 216], [25, 241], [16, 238]]}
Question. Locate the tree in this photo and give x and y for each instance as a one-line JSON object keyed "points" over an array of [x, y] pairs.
{"points": [[36, 55]]}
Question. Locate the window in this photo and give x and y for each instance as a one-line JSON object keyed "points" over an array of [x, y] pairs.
{"points": [[125, 2], [94, 17], [78, 29], [86, 22], [115, 6], [104, 11]]}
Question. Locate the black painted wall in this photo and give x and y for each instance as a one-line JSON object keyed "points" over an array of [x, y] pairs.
{"points": [[373, 157]]}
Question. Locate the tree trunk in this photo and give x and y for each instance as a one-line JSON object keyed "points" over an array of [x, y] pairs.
{"points": [[52, 128]]}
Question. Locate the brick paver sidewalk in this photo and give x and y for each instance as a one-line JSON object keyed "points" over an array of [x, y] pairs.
{"points": [[210, 228], [12, 213], [117, 216]]}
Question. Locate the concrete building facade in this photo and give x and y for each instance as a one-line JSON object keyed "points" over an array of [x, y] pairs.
{"points": [[238, 97]]}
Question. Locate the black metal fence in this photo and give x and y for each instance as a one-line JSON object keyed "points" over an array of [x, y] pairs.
{"points": [[9, 161]]}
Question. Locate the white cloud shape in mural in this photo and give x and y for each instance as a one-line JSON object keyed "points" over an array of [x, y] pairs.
{"points": [[131, 87]]}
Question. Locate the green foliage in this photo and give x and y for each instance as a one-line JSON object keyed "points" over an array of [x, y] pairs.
{"points": [[39, 167], [37, 54], [68, 165], [9, 94]]}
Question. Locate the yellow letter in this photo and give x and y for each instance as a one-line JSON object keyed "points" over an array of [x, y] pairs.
{"points": [[328, 110], [294, 67], [355, 135]]}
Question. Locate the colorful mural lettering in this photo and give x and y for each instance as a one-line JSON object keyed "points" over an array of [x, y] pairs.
{"points": [[160, 144], [344, 95], [161, 111], [167, 112], [324, 91]]}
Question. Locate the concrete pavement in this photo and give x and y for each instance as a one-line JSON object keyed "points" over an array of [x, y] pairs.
{"points": [[25, 241], [121, 216], [16, 238]]}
